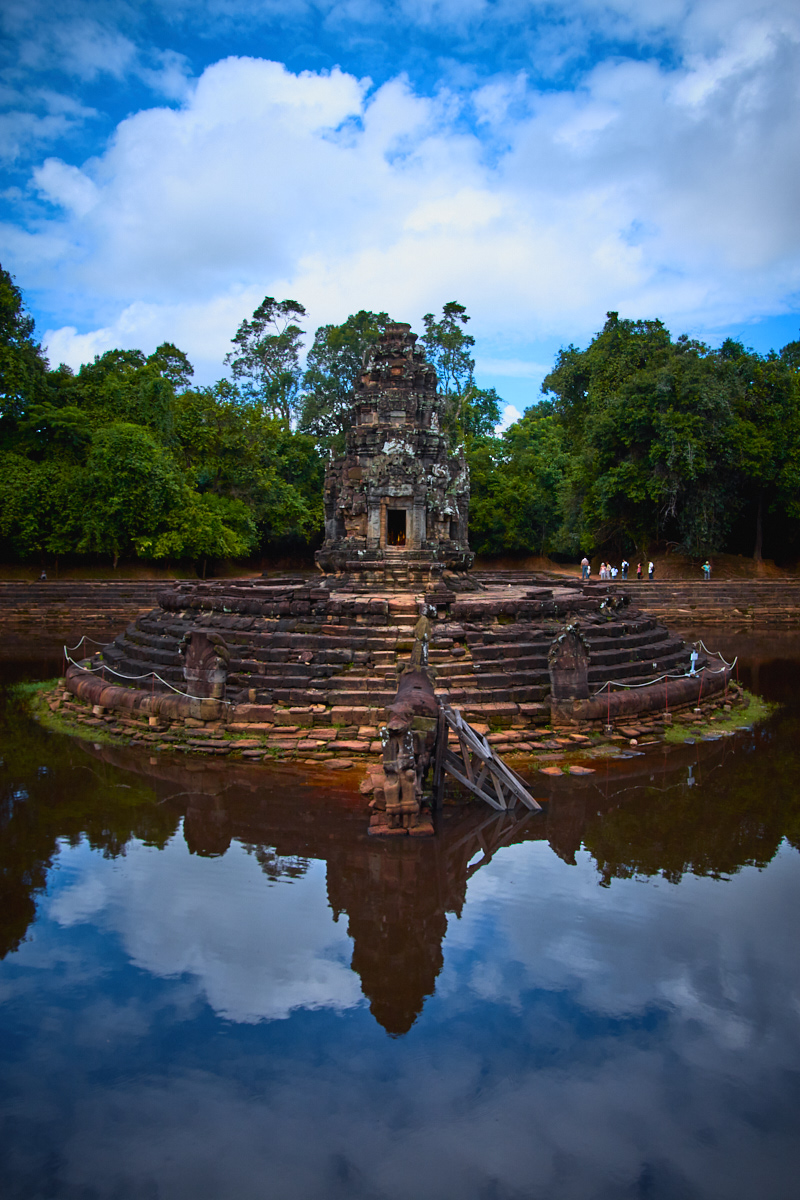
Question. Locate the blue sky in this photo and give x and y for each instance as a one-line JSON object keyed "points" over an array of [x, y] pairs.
{"points": [[167, 164]]}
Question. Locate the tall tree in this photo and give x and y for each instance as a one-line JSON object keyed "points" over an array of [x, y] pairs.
{"points": [[266, 355], [23, 366], [648, 431], [333, 368], [470, 411], [517, 483], [765, 435]]}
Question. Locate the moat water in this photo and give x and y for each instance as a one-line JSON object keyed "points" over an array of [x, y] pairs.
{"points": [[214, 985]]}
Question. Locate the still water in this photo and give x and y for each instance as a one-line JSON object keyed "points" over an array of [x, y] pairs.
{"points": [[215, 985]]}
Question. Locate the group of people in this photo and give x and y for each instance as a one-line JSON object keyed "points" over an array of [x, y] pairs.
{"points": [[609, 571]]}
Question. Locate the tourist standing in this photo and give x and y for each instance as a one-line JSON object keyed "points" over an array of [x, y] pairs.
{"points": [[638, 570], [585, 568], [625, 565], [650, 570], [614, 572], [706, 570]]}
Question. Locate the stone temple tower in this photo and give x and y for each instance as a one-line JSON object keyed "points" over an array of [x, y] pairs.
{"points": [[397, 503]]}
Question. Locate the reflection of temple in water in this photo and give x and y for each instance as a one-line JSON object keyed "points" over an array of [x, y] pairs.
{"points": [[396, 895]]}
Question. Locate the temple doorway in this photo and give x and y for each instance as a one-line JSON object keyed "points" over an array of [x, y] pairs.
{"points": [[395, 527]]}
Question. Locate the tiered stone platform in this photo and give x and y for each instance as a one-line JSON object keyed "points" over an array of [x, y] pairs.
{"points": [[295, 645], [310, 666]]}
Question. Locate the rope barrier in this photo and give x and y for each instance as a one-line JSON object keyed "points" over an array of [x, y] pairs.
{"points": [[716, 654], [134, 678], [661, 678], [87, 639]]}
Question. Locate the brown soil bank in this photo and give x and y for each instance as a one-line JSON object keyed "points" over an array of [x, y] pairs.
{"points": [[737, 602], [667, 566]]}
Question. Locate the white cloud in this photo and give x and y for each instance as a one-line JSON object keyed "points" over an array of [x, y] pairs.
{"points": [[643, 1024], [648, 189], [66, 186], [179, 915], [509, 415]]}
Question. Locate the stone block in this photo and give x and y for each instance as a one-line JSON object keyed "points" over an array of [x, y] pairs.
{"points": [[253, 713]]}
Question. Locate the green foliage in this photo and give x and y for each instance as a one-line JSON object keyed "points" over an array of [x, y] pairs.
{"points": [[266, 358], [123, 458], [333, 367], [469, 411], [23, 367], [448, 348], [671, 441], [640, 440], [517, 486]]}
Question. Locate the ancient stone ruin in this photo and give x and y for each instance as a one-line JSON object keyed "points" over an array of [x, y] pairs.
{"points": [[321, 668], [397, 502]]}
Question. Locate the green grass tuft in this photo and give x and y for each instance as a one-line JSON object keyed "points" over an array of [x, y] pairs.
{"points": [[753, 710]]}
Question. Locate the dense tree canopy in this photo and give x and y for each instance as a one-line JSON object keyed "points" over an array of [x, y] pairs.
{"points": [[470, 411], [124, 458], [672, 441], [639, 441]]}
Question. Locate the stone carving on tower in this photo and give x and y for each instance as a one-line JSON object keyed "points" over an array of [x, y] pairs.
{"points": [[399, 497]]}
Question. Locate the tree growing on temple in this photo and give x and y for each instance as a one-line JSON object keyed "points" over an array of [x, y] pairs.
{"points": [[333, 367]]}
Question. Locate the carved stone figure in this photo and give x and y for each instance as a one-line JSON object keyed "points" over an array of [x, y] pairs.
{"points": [[568, 660], [205, 668], [409, 739]]}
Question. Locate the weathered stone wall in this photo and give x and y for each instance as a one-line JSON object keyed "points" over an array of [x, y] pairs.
{"points": [[398, 489], [54, 607], [738, 603]]}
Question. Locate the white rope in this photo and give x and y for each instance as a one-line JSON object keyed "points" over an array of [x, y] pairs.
{"points": [[717, 654], [119, 674], [87, 639], [661, 678]]}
